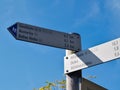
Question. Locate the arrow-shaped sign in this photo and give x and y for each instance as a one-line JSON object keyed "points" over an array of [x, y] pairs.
{"points": [[93, 56], [45, 36]]}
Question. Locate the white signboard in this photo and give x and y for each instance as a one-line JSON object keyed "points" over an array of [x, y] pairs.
{"points": [[93, 56], [45, 36]]}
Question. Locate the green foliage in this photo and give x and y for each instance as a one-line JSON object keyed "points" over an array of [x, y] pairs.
{"points": [[57, 85], [62, 84]]}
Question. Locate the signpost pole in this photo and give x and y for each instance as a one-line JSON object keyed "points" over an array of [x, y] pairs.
{"points": [[74, 79]]}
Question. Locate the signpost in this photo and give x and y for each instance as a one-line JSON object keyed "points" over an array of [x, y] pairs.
{"points": [[73, 62], [93, 56], [45, 36]]}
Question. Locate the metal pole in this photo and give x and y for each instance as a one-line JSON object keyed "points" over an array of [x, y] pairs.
{"points": [[74, 79]]}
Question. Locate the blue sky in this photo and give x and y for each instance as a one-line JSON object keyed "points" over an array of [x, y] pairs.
{"points": [[25, 66]]}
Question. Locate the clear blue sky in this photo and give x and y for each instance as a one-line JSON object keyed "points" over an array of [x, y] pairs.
{"points": [[24, 66]]}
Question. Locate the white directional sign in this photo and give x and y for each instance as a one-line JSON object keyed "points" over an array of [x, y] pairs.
{"points": [[93, 56], [45, 36]]}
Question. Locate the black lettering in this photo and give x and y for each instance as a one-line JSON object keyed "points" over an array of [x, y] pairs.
{"points": [[25, 32], [117, 54], [115, 43], [26, 27], [116, 48], [66, 35], [71, 46], [22, 36], [65, 40], [71, 41], [33, 39]]}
